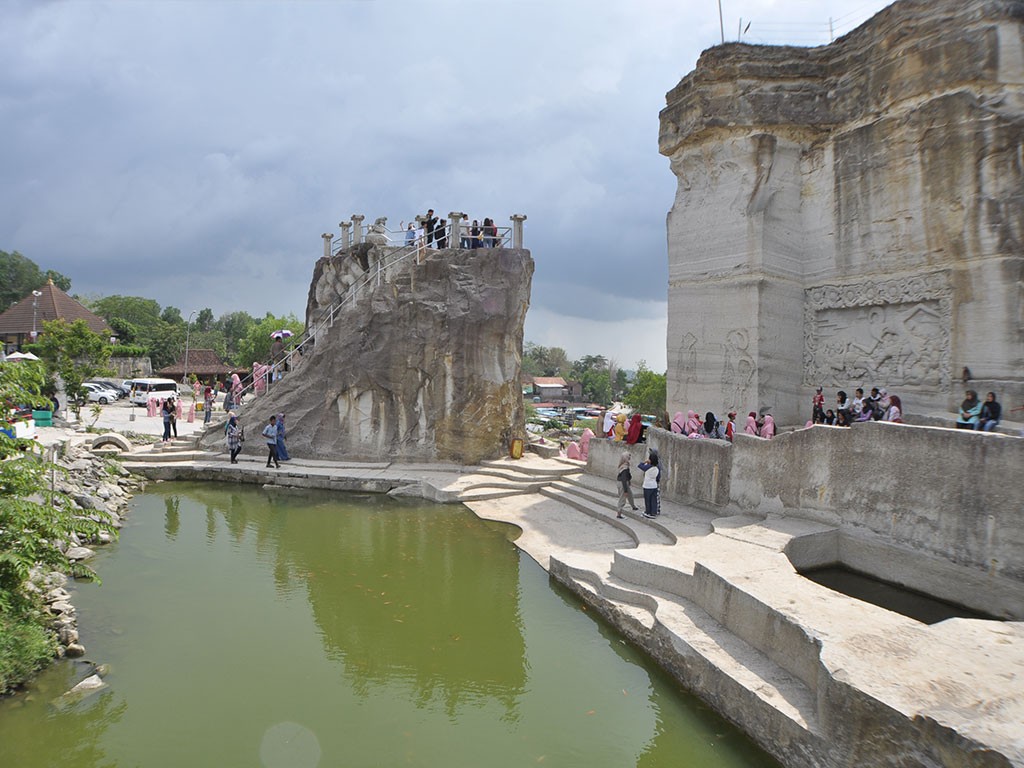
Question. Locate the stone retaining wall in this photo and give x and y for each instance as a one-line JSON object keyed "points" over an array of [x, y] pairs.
{"points": [[950, 494]]}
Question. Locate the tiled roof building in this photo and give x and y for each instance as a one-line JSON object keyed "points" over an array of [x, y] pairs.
{"points": [[204, 363], [18, 322]]}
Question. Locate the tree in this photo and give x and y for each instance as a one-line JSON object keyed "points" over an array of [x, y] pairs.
{"points": [[126, 332], [235, 327], [75, 353], [256, 344], [33, 518], [166, 343], [204, 320], [648, 393], [140, 312], [597, 386], [19, 276], [172, 315]]}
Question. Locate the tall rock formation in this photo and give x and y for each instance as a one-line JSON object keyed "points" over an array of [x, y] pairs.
{"points": [[851, 215], [423, 365]]}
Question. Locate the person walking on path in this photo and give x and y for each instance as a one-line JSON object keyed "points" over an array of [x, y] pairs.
{"points": [[625, 478], [270, 436], [235, 438], [652, 478], [282, 452], [174, 415]]}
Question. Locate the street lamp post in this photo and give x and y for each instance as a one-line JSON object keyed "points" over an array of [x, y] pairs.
{"points": [[188, 332], [35, 304]]}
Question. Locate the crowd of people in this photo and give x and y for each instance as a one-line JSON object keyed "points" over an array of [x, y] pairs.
{"points": [[879, 405], [435, 232]]}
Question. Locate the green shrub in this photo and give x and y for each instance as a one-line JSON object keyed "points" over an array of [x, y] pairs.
{"points": [[25, 646]]}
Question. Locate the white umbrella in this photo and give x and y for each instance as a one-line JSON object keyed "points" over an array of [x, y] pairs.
{"points": [[22, 356]]}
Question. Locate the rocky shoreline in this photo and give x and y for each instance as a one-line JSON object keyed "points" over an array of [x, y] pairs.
{"points": [[96, 486]]}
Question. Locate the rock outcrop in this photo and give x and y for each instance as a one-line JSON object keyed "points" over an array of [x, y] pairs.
{"points": [[851, 215], [420, 365]]}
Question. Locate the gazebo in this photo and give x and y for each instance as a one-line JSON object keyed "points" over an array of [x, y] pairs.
{"points": [[23, 323], [204, 363]]}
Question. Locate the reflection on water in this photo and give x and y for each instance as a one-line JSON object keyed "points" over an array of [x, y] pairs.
{"points": [[300, 630]]}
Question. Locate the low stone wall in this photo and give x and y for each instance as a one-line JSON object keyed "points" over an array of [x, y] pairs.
{"points": [[951, 494]]}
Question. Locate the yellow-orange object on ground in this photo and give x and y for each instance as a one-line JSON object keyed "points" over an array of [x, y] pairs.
{"points": [[516, 449]]}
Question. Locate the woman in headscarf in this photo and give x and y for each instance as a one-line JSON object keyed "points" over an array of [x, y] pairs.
{"points": [[282, 433], [635, 430], [713, 427], [751, 425], [625, 479], [970, 411], [235, 437], [894, 412], [678, 423], [609, 422], [236, 390], [619, 430], [692, 423], [768, 428], [991, 412], [585, 438]]}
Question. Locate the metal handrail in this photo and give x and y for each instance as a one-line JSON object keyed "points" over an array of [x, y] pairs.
{"points": [[401, 254]]}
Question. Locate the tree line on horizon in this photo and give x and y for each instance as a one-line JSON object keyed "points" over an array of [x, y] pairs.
{"points": [[148, 329]]}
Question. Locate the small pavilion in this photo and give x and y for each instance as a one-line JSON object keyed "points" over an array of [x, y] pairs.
{"points": [[206, 364]]}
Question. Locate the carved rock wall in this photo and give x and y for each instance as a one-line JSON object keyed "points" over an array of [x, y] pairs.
{"points": [[422, 367], [851, 215]]}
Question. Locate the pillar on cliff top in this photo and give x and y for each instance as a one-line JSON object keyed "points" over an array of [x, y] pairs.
{"points": [[346, 235], [850, 215], [327, 238], [357, 227], [517, 229]]}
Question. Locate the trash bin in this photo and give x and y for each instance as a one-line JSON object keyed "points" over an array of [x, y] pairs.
{"points": [[43, 418]]}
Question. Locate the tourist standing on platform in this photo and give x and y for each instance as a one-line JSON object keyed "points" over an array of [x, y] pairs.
{"points": [[818, 407], [166, 411], [625, 478], [428, 226], [208, 400], [652, 479], [282, 452], [474, 235], [270, 437], [235, 437]]}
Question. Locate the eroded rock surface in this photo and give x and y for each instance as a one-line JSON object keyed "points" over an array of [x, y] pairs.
{"points": [[423, 366]]}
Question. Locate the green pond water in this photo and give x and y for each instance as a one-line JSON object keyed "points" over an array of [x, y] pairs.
{"points": [[291, 631]]}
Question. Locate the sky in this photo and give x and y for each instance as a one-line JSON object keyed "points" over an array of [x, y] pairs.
{"points": [[194, 151]]}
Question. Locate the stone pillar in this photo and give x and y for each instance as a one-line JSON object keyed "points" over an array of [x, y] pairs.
{"points": [[517, 229], [455, 220], [346, 235], [357, 227], [328, 237]]}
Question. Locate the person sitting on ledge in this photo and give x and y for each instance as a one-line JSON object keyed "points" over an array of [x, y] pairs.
{"points": [[678, 423], [768, 427], [991, 411], [970, 411], [894, 412]]}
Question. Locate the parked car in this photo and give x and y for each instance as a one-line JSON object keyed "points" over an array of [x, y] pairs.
{"points": [[97, 394], [107, 384]]}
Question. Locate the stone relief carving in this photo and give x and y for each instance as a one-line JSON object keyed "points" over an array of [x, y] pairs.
{"points": [[738, 368], [888, 332]]}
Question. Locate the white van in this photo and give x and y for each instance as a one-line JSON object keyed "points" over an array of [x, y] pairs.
{"points": [[143, 389]]}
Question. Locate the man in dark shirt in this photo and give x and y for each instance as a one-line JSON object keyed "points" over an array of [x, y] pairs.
{"points": [[428, 226]]}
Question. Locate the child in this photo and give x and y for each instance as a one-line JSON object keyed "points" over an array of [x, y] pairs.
{"points": [[652, 478]]}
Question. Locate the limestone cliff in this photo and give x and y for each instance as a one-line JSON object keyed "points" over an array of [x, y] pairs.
{"points": [[422, 366], [851, 215]]}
